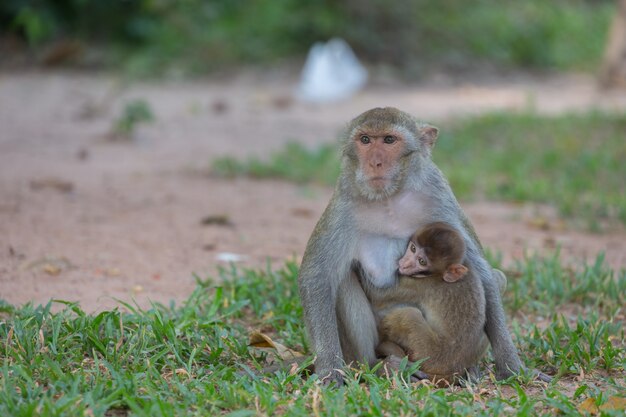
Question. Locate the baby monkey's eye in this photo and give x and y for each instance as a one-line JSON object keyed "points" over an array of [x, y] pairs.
{"points": [[365, 139], [413, 248], [389, 139], [422, 261]]}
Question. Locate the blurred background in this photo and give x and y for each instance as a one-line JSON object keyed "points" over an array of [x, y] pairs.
{"points": [[412, 37], [142, 141]]}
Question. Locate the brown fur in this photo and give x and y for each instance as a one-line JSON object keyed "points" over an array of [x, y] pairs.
{"points": [[432, 320]]}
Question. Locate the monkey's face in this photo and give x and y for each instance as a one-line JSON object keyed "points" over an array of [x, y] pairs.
{"points": [[415, 263], [379, 160], [383, 147]]}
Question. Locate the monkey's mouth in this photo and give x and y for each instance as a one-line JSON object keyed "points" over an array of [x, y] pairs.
{"points": [[378, 182], [420, 274]]}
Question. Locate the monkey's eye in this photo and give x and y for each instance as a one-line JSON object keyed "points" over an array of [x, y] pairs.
{"points": [[413, 248], [365, 139], [389, 139], [422, 261]]}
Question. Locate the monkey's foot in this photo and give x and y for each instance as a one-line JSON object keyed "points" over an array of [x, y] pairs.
{"points": [[392, 364], [328, 377]]}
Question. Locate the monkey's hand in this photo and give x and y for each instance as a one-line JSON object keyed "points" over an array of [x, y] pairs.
{"points": [[328, 377]]}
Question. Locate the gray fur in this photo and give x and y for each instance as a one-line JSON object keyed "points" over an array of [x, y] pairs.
{"points": [[337, 316]]}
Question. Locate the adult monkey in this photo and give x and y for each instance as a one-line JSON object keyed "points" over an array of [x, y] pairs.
{"points": [[388, 188]]}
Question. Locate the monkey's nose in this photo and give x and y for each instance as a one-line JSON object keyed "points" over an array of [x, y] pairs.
{"points": [[376, 164]]}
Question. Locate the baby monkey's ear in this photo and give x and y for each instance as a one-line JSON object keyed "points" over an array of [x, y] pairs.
{"points": [[454, 273]]}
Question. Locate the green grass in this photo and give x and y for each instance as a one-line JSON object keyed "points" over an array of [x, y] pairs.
{"points": [[193, 359], [574, 162], [294, 162]]}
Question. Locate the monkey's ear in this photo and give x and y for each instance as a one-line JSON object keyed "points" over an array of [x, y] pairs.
{"points": [[428, 135], [454, 273]]}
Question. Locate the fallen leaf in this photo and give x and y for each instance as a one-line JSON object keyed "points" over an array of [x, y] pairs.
{"points": [[54, 183], [112, 272], [261, 340], [82, 154], [49, 265], [51, 269], [588, 406], [209, 247], [217, 219], [219, 106], [282, 102], [62, 52], [613, 404], [302, 212]]}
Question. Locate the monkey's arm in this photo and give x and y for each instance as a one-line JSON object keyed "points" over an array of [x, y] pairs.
{"points": [[319, 307], [324, 266], [500, 280]]}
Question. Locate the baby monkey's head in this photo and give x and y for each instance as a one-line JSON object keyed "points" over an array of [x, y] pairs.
{"points": [[436, 249]]}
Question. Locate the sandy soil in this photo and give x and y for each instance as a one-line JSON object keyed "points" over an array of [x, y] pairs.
{"points": [[87, 219]]}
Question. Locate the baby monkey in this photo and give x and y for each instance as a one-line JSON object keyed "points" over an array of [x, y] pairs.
{"points": [[429, 318], [437, 249]]}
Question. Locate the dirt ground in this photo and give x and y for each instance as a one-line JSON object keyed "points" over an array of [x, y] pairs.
{"points": [[84, 218]]}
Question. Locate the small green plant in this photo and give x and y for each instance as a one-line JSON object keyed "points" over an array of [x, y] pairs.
{"points": [[294, 163], [135, 113]]}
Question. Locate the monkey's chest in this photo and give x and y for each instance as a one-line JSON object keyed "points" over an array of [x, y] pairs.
{"points": [[384, 231], [378, 256], [396, 218]]}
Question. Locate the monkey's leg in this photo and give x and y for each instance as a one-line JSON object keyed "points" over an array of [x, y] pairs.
{"points": [[357, 325], [389, 348], [407, 327]]}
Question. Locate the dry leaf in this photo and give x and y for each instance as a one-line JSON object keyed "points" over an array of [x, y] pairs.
{"points": [[302, 212], [260, 340], [539, 222], [49, 265], [217, 219], [588, 406], [112, 272], [53, 183], [614, 403], [51, 269]]}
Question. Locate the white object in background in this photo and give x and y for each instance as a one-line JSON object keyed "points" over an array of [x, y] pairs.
{"points": [[229, 257], [331, 72]]}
